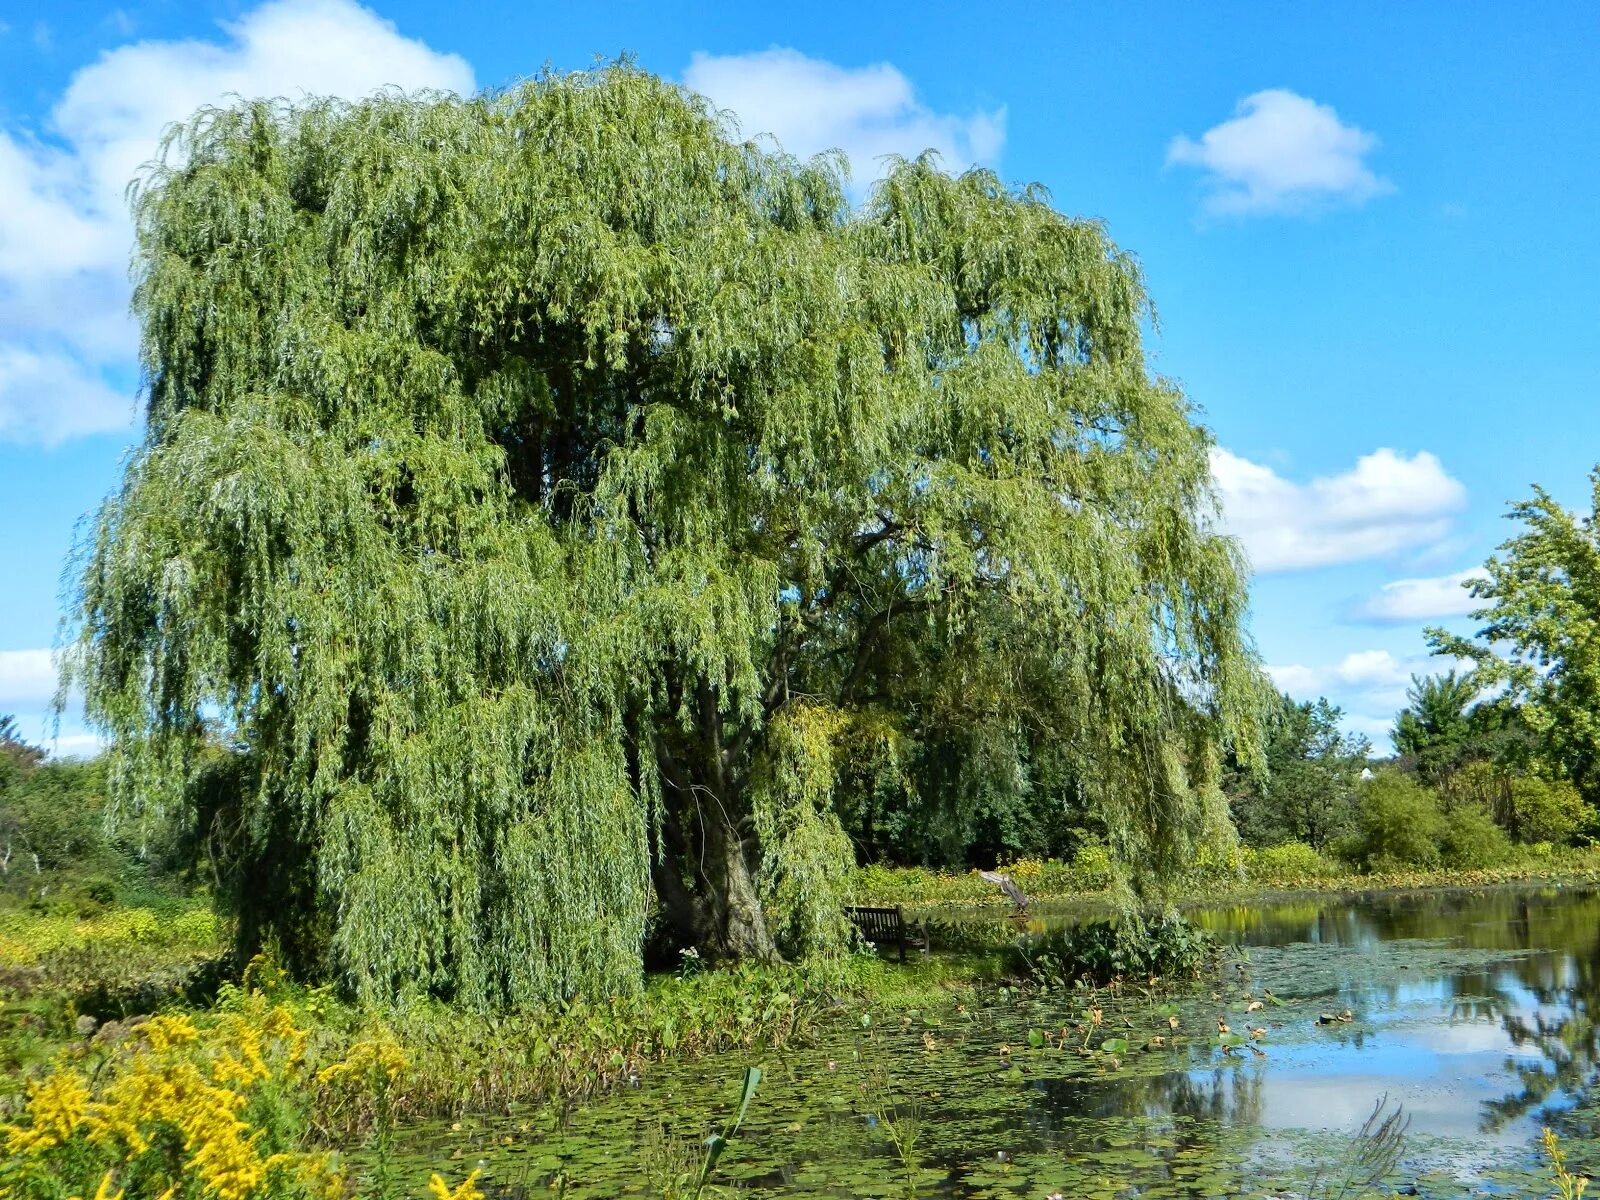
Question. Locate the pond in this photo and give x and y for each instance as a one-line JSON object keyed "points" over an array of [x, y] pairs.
{"points": [[1472, 1011]]}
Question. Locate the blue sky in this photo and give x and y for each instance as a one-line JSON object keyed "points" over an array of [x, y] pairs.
{"points": [[1372, 233]]}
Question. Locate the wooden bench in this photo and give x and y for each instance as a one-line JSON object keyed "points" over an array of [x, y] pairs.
{"points": [[885, 927]]}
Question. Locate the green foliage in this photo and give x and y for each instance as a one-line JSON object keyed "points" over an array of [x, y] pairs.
{"points": [[517, 468], [1436, 729], [17, 757], [1550, 810], [1304, 787], [58, 848], [1288, 863], [1539, 623], [1403, 826], [1400, 825], [1471, 839], [805, 874], [1168, 947], [53, 823]]}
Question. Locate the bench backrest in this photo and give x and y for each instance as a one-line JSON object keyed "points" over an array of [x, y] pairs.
{"points": [[878, 924]]}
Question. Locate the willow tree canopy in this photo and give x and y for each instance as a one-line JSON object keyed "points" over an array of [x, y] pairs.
{"points": [[557, 499]]}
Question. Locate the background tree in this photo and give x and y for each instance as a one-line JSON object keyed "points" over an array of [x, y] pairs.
{"points": [[55, 841], [17, 761], [1540, 636], [1304, 787], [1435, 729], [17, 757], [560, 498], [1482, 761]]}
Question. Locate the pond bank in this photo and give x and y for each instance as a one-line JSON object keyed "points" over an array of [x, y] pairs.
{"points": [[1258, 876]]}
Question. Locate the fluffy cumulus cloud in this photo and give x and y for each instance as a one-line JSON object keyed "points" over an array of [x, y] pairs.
{"points": [[1363, 670], [1386, 504], [1409, 600], [810, 105], [1370, 685], [28, 682], [66, 353], [52, 394], [1281, 153]]}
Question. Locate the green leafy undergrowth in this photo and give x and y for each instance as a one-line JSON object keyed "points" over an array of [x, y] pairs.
{"points": [[456, 1062], [1169, 947]]}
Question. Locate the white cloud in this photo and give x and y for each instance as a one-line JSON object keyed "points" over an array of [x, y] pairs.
{"points": [[52, 396], [65, 235], [1361, 670], [1385, 504], [1364, 683], [27, 680], [1407, 600], [1281, 153], [810, 105], [74, 745]]}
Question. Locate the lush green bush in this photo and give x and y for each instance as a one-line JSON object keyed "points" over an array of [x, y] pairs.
{"points": [[1550, 810], [60, 851], [1288, 863], [1399, 825], [1471, 839], [1169, 947]]}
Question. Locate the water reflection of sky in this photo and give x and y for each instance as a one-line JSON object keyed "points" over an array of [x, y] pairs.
{"points": [[1488, 1050]]}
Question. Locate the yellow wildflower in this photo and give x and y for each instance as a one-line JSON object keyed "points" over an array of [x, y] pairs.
{"points": [[104, 1192], [366, 1059], [56, 1107], [279, 1023], [163, 1033], [467, 1191]]}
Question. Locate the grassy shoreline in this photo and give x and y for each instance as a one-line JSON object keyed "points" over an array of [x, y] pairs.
{"points": [[1256, 877]]}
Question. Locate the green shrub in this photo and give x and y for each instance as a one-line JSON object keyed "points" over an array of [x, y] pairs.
{"points": [[1549, 810], [1093, 866], [1290, 862], [1399, 825], [1471, 839], [1169, 947]]}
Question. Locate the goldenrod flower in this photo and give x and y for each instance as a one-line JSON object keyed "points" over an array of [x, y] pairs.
{"points": [[468, 1190]]}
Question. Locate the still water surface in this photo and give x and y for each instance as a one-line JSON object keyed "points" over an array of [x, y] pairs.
{"points": [[1473, 1010]]}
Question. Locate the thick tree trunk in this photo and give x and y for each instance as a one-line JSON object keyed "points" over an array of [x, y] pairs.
{"points": [[731, 923], [703, 875], [707, 888], [704, 868]]}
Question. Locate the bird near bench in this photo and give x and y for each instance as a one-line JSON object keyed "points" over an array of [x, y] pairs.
{"points": [[1013, 893]]}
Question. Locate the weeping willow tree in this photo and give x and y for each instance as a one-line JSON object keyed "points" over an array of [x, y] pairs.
{"points": [[556, 500]]}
